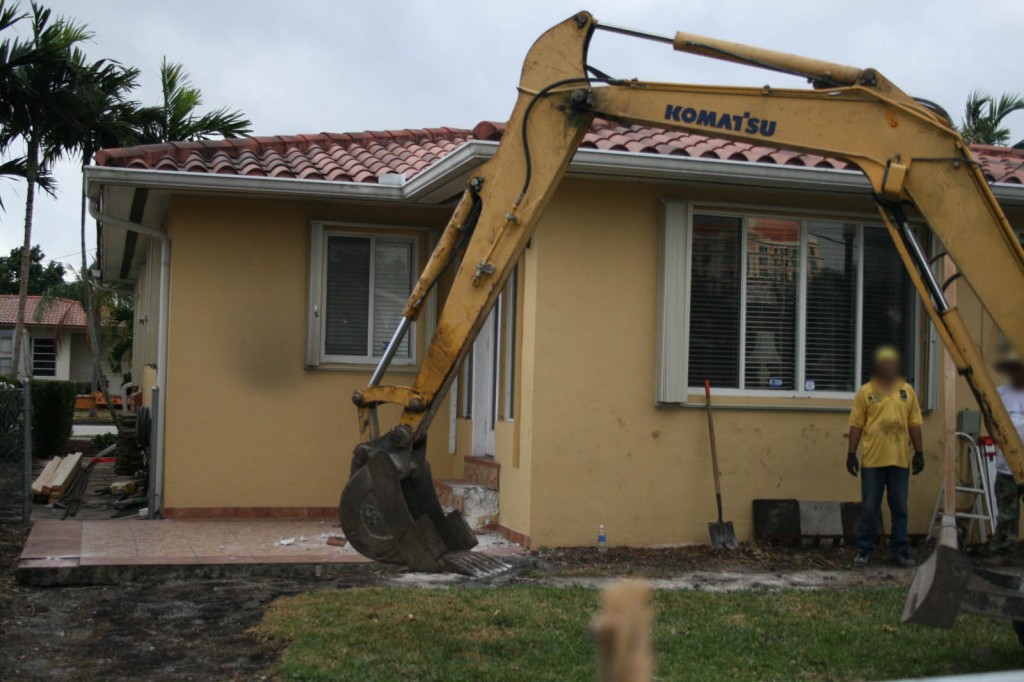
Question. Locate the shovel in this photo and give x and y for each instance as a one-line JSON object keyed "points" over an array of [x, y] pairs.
{"points": [[722, 532]]}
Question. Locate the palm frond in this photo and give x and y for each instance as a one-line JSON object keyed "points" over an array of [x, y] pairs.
{"points": [[984, 115]]}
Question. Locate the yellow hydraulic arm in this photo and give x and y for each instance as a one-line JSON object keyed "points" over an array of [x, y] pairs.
{"points": [[915, 160]]}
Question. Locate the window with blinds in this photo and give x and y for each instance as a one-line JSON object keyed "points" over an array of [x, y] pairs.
{"points": [[790, 305], [367, 281], [830, 346], [715, 301], [889, 303], [772, 279]]}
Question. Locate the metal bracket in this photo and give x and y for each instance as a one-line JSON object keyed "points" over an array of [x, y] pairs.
{"points": [[482, 268]]}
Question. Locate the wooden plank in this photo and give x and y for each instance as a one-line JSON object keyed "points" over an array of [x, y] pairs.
{"points": [[44, 476], [64, 475]]}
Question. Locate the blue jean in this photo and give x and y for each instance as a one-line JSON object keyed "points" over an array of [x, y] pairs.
{"points": [[874, 481]]}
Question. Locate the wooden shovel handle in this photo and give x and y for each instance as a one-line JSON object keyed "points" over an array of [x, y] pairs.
{"points": [[711, 431]]}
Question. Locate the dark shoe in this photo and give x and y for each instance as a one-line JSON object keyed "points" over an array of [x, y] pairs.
{"points": [[905, 561], [862, 559]]}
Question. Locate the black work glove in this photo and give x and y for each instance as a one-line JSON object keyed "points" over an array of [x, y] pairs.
{"points": [[852, 465], [917, 464]]}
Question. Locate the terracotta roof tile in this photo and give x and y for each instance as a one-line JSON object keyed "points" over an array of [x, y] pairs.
{"points": [[366, 156], [59, 312]]}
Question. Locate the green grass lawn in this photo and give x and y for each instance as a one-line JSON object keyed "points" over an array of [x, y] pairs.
{"points": [[542, 633]]}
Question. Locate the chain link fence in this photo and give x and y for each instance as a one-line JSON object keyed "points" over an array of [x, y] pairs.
{"points": [[15, 455]]}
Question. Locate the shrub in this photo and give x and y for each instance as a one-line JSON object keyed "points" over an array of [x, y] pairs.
{"points": [[53, 410], [103, 441]]}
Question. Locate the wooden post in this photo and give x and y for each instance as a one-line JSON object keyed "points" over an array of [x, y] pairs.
{"points": [[948, 534], [623, 630]]}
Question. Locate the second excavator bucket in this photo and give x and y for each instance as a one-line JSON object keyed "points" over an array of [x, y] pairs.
{"points": [[390, 512], [937, 589]]}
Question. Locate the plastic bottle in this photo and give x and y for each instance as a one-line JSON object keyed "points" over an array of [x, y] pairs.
{"points": [[602, 541]]}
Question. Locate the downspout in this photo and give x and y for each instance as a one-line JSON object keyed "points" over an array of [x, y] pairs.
{"points": [[161, 348]]}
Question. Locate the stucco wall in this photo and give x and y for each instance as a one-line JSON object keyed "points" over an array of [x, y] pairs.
{"points": [[247, 425], [600, 450], [81, 358], [62, 344]]}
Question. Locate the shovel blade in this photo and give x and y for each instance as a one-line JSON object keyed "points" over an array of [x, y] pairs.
{"points": [[938, 586], [722, 535]]}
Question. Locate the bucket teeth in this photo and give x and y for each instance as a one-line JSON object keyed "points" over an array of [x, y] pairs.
{"points": [[474, 564]]}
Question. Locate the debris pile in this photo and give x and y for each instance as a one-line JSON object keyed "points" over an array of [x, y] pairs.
{"points": [[56, 477]]}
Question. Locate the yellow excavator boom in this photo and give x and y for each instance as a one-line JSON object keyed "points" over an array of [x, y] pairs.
{"points": [[918, 166]]}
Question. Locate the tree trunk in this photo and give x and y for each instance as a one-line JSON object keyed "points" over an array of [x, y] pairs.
{"points": [[31, 174], [91, 313]]}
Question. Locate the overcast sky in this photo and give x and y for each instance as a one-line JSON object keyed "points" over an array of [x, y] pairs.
{"points": [[308, 66]]}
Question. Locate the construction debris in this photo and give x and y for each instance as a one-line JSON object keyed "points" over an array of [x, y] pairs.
{"points": [[56, 477], [43, 478]]}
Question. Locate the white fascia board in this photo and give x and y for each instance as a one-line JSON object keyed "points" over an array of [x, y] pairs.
{"points": [[444, 179]]}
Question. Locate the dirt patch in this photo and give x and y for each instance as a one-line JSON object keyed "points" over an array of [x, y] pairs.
{"points": [[162, 630], [734, 581], [199, 629], [671, 561]]}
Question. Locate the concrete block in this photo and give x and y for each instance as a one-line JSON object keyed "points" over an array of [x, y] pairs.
{"points": [[820, 518], [777, 520]]}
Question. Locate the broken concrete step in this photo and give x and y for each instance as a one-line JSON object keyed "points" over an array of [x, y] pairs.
{"points": [[478, 504], [483, 471]]}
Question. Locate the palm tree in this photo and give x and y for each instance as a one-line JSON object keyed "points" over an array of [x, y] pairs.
{"points": [[984, 115], [175, 118], [110, 119], [15, 52], [37, 105]]}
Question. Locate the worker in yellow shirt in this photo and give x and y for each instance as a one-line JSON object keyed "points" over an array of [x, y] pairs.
{"points": [[885, 413]]}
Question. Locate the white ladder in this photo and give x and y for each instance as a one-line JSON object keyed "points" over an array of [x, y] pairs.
{"points": [[981, 512]]}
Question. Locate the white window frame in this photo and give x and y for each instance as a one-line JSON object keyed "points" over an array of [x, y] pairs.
{"points": [[672, 353], [511, 325], [320, 233]]}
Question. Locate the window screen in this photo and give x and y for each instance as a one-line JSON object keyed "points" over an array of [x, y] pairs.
{"points": [[347, 305], [366, 285], [715, 301]]}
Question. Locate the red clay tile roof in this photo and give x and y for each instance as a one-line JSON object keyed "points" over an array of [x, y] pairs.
{"points": [[59, 312], [365, 157]]}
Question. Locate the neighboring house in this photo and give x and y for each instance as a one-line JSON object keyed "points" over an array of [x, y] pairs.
{"points": [[663, 260], [55, 345]]}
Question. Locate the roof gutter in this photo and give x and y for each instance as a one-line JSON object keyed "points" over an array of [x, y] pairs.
{"points": [[424, 188], [156, 484]]}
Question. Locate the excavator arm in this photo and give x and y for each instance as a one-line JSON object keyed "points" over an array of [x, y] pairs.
{"points": [[912, 156]]}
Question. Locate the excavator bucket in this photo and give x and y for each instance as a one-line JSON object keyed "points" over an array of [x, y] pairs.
{"points": [[938, 588], [948, 583], [390, 512]]}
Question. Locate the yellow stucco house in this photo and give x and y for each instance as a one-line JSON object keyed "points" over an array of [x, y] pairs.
{"points": [[271, 271]]}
